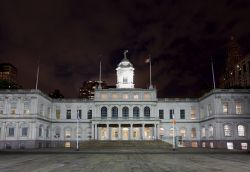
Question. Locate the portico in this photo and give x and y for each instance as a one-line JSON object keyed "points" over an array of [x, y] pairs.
{"points": [[125, 131]]}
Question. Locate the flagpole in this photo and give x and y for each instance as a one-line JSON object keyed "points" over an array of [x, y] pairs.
{"points": [[150, 74], [213, 72], [37, 73], [77, 130], [100, 76]]}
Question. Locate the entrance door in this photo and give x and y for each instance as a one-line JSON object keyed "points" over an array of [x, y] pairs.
{"points": [[136, 134], [114, 133], [125, 133]]}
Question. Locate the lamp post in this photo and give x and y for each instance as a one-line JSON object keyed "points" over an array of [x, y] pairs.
{"points": [[173, 133]]}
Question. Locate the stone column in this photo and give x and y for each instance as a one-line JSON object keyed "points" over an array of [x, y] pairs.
{"points": [[92, 132], [155, 134], [119, 132], [107, 132], [131, 132], [96, 128], [142, 133]]}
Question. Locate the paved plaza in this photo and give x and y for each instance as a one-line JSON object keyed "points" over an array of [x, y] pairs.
{"points": [[124, 160]]}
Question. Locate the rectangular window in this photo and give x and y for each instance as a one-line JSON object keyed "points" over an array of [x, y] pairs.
{"points": [[194, 144], [125, 96], [230, 145], [90, 114], [244, 146], [26, 105], [193, 133], [40, 132], [225, 107], [203, 132], [68, 114], [25, 132], [13, 108], [161, 114], [67, 133], [79, 114], [171, 113], [58, 113], [182, 114], [11, 132], [209, 109], [238, 108], [193, 112], [211, 145]]}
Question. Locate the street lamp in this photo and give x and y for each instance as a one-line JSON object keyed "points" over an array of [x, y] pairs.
{"points": [[173, 122]]}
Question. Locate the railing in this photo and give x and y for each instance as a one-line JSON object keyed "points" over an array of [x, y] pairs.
{"points": [[126, 118]]}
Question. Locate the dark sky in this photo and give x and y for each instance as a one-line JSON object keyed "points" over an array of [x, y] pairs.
{"points": [[69, 36]]}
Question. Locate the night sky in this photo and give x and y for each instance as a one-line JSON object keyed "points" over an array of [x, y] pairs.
{"points": [[72, 36]]}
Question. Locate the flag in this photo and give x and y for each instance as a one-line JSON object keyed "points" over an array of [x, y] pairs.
{"points": [[148, 60]]}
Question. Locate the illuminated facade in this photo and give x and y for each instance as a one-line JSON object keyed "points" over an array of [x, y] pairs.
{"points": [[31, 119]]}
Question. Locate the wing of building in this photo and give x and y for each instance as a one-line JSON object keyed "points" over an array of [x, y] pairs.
{"points": [[31, 119]]}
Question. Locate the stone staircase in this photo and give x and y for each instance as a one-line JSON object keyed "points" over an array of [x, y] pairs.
{"points": [[120, 144]]}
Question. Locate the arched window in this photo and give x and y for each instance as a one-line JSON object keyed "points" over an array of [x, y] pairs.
{"points": [[241, 130], [136, 112], [210, 131], [67, 132], [104, 112], [227, 130], [147, 112], [57, 132], [125, 112], [114, 112]]}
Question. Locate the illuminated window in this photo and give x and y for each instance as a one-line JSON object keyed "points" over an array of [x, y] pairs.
{"points": [[114, 96], [203, 144], [104, 96], [241, 130], [202, 113], [193, 132], [193, 112], [230, 145], [58, 114], [125, 96], [146, 96], [13, 108], [225, 107], [211, 145], [125, 80], [136, 96], [1, 107], [26, 105], [210, 131], [244, 146], [238, 108], [67, 144], [67, 133], [203, 132], [183, 132], [227, 130], [194, 144]]}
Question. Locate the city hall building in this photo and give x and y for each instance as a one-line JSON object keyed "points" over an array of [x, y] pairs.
{"points": [[218, 119]]}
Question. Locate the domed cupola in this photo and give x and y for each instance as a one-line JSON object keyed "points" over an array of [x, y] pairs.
{"points": [[125, 73]]}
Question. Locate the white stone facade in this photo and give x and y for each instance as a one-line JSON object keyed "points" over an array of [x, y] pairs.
{"points": [[30, 119]]}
